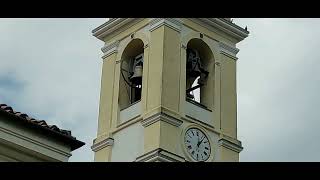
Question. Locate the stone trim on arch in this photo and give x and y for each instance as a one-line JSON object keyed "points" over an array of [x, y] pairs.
{"points": [[120, 46], [123, 44], [196, 35]]}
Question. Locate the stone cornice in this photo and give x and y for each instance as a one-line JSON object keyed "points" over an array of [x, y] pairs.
{"points": [[109, 49], [228, 50], [230, 145], [173, 23], [161, 117], [102, 144], [110, 26], [226, 26], [30, 143], [160, 155], [222, 24]]}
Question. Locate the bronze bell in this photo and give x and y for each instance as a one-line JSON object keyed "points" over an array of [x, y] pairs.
{"points": [[193, 63], [136, 78]]}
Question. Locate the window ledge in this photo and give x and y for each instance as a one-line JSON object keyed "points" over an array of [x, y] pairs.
{"points": [[198, 104]]}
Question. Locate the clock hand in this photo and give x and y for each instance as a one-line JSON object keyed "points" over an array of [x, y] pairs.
{"points": [[202, 140], [199, 142]]}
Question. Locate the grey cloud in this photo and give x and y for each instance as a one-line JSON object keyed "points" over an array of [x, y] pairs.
{"points": [[278, 90], [59, 62], [55, 69]]}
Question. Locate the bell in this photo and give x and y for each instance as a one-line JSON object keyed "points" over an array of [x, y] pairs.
{"points": [[194, 71], [193, 63], [136, 78]]}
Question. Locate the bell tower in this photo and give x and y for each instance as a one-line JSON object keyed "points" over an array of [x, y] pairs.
{"points": [[168, 90]]}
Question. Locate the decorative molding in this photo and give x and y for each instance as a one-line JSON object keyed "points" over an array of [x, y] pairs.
{"points": [[198, 121], [160, 155], [161, 117], [183, 46], [173, 23], [201, 124], [228, 50], [112, 25], [102, 144], [110, 46], [33, 143], [231, 145], [106, 55], [110, 49], [6, 158], [226, 26], [126, 124], [222, 24]]}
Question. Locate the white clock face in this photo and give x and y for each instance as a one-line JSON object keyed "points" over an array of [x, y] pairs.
{"points": [[197, 144]]}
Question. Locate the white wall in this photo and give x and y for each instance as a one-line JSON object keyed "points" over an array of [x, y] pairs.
{"points": [[130, 112], [198, 113], [128, 144]]}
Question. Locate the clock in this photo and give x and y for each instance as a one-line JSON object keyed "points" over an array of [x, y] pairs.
{"points": [[197, 144]]}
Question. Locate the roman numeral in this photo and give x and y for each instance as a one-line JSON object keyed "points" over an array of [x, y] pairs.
{"points": [[206, 148], [189, 147], [205, 153]]}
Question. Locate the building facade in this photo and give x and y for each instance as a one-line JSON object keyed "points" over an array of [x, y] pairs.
{"points": [[25, 139], [151, 67]]}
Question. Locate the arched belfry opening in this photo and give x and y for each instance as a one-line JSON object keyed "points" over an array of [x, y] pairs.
{"points": [[130, 85], [199, 73]]}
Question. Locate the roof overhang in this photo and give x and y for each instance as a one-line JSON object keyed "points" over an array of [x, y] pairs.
{"points": [[226, 26], [71, 141], [110, 26], [222, 24]]}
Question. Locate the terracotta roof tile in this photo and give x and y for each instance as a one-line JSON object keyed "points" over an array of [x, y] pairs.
{"points": [[29, 119]]}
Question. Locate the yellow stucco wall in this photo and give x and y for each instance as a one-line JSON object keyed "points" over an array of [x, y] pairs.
{"points": [[228, 155], [155, 67], [103, 155], [106, 95], [228, 96], [170, 96], [169, 136], [152, 137]]}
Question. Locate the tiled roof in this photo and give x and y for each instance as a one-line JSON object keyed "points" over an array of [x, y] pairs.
{"points": [[64, 135], [34, 121]]}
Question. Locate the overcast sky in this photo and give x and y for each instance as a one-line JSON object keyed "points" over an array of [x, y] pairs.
{"points": [[51, 68]]}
